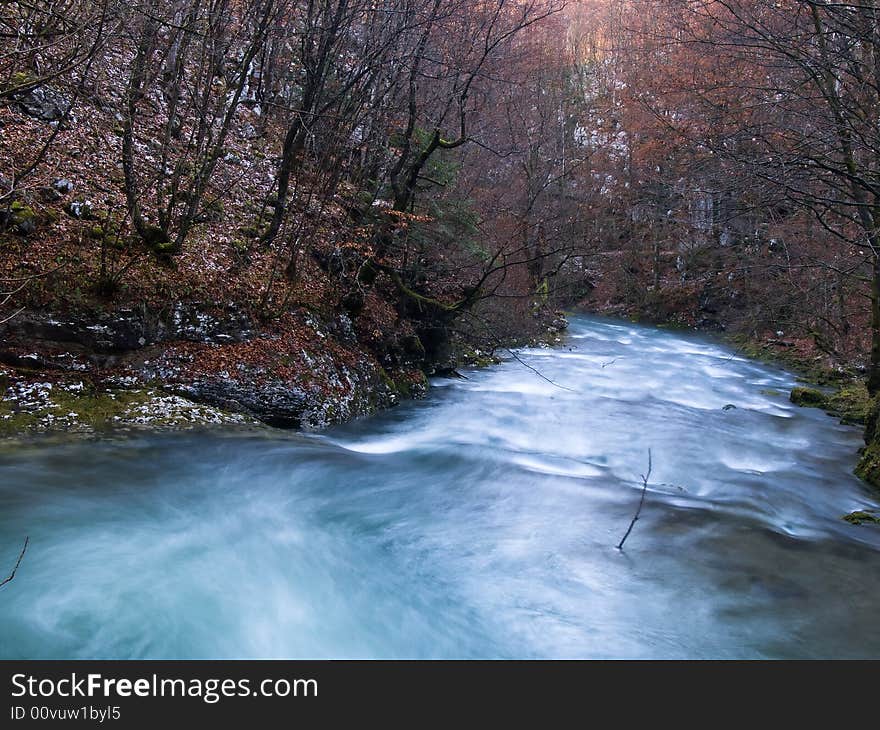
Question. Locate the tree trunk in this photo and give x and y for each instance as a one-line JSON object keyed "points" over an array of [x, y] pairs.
{"points": [[874, 366]]}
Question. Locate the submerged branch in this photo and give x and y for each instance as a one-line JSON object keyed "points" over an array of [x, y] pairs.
{"points": [[538, 372], [645, 478], [17, 563]]}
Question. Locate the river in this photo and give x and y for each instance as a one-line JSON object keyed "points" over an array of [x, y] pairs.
{"points": [[479, 522]]}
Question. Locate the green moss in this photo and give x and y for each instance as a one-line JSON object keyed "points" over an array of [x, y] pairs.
{"points": [[407, 385], [13, 423], [770, 392], [851, 403], [20, 80], [861, 517], [674, 325], [98, 408], [91, 410], [808, 369], [868, 467], [21, 218], [808, 397]]}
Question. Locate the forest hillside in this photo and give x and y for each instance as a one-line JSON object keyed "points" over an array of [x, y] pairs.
{"points": [[294, 212]]}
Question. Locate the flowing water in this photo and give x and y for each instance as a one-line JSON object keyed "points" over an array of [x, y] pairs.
{"points": [[479, 522]]}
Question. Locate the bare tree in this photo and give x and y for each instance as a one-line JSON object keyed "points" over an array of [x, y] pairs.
{"points": [[182, 54], [782, 102]]}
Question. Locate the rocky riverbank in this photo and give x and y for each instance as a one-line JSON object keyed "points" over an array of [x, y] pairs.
{"points": [[193, 364], [206, 364]]}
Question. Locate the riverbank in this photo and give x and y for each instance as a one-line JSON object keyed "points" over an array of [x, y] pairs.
{"points": [[839, 390], [202, 365]]}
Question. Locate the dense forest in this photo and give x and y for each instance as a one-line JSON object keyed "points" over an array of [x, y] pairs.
{"points": [[297, 210]]}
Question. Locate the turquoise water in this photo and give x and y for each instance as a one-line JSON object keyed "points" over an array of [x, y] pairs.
{"points": [[479, 522]]}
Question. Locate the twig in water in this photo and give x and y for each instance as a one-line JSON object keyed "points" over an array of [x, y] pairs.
{"points": [[645, 478], [17, 563], [538, 372], [499, 345]]}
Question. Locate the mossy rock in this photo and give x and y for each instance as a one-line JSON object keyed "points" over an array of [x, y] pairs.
{"points": [[81, 209], [159, 240], [14, 423], [808, 397], [413, 346], [851, 403], [868, 467], [21, 218], [89, 409], [861, 517], [112, 235]]}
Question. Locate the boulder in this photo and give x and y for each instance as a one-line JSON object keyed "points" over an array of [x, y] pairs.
{"points": [[44, 103], [19, 218], [808, 397], [63, 186], [81, 209]]}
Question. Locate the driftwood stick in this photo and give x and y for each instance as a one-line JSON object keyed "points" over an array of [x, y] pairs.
{"points": [[645, 478], [17, 563]]}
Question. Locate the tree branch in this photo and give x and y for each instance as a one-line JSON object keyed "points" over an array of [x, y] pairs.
{"points": [[17, 563], [645, 478]]}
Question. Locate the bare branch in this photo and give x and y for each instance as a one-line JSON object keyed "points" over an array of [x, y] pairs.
{"points": [[645, 478], [17, 562]]}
